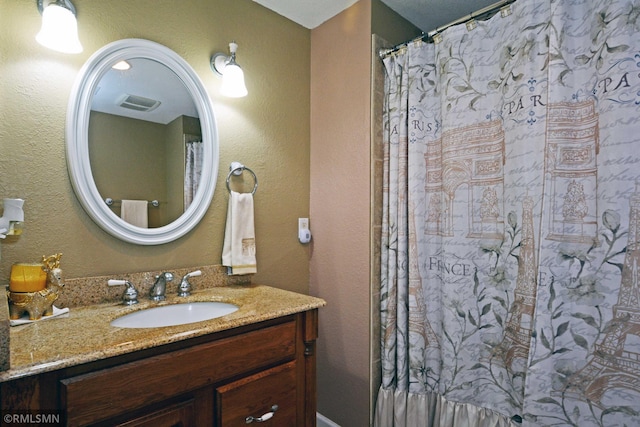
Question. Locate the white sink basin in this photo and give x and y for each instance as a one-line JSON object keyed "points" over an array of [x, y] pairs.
{"points": [[176, 314]]}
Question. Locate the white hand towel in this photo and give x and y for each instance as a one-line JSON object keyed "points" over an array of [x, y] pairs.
{"points": [[135, 212], [239, 249]]}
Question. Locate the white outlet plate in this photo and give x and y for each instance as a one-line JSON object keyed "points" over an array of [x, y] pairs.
{"points": [[303, 223]]}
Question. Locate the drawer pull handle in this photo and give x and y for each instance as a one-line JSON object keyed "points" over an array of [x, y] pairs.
{"points": [[264, 417]]}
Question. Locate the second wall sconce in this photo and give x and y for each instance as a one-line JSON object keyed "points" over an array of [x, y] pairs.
{"points": [[232, 75], [59, 29], [12, 218]]}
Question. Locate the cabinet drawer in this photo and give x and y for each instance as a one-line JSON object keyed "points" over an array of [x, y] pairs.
{"points": [[256, 395], [177, 414], [108, 392]]}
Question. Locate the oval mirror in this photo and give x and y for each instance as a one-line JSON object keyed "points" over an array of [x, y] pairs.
{"points": [[146, 133]]}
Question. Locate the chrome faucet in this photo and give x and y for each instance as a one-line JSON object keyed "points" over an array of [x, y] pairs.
{"points": [[160, 286]]}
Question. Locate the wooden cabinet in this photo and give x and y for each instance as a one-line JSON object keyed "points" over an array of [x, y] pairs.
{"points": [[218, 379]]}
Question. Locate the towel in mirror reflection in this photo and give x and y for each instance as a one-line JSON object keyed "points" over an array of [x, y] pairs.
{"points": [[135, 212]]}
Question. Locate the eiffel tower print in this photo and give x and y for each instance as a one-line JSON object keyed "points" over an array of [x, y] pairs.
{"points": [[418, 320], [615, 363], [514, 347]]}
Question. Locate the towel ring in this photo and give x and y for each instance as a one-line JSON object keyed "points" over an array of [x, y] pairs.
{"points": [[237, 168]]}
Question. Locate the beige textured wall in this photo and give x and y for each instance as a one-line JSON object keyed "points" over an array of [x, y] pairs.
{"points": [[268, 131], [345, 206], [340, 186]]}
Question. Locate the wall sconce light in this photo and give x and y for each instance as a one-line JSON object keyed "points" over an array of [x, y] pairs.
{"points": [[59, 26], [232, 75], [12, 218]]}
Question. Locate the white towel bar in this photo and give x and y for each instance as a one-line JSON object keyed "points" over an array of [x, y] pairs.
{"points": [[109, 201]]}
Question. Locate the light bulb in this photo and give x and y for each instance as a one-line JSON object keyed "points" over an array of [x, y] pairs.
{"points": [[233, 81], [59, 30]]}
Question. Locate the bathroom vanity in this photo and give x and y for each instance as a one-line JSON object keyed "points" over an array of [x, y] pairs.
{"points": [[256, 365]]}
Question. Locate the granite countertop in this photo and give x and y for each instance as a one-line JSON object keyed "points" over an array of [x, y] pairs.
{"points": [[85, 334]]}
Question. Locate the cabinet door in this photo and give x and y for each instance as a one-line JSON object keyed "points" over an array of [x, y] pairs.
{"points": [[268, 397]]}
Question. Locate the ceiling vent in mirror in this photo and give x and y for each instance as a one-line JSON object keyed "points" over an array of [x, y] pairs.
{"points": [[138, 103]]}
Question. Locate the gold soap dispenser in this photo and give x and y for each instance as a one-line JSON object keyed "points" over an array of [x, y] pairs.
{"points": [[33, 293]]}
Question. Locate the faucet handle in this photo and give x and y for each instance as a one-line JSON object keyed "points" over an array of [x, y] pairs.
{"points": [[184, 290], [130, 295]]}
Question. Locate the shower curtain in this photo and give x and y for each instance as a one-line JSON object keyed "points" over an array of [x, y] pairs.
{"points": [[510, 292], [192, 170]]}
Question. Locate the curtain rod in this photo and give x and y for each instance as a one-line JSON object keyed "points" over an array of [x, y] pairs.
{"points": [[481, 14]]}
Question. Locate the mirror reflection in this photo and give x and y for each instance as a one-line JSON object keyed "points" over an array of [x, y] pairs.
{"points": [[145, 142]]}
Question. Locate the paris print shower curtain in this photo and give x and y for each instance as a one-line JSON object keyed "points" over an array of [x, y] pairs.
{"points": [[510, 291], [192, 167]]}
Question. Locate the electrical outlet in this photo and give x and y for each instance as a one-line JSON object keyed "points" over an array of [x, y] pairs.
{"points": [[304, 234], [303, 223]]}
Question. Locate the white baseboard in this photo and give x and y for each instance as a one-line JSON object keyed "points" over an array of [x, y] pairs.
{"points": [[322, 421]]}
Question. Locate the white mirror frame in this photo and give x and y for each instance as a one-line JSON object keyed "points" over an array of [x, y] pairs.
{"points": [[77, 140]]}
